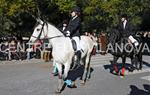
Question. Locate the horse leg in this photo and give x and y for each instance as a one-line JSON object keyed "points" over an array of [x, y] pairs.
{"points": [[114, 64], [60, 81], [68, 82], [131, 69], [86, 69], [140, 63], [89, 69], [136, 62], [83, 63], [123, 66], [90, 72], [55, 70]]}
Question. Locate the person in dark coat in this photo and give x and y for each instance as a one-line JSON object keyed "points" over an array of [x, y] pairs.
{"points": [[73, 30], [125, 27], [62, 27], [73, 27], [126, 30]]}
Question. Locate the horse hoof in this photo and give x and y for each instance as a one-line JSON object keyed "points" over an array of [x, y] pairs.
{"points": [[140, 69], [72, 86], [88, 79], [122, 76], [57, 92], [115, 73], [130, 70], [55, 74], [82, 83]]}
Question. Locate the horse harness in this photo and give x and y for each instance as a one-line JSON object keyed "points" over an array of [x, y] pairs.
{"points": [[45, 34]]}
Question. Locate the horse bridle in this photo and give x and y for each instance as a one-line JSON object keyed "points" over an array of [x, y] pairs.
{"points": [[40, 31], [45, 35]]}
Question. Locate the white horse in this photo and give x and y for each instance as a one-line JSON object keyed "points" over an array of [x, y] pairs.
{"points": [[62, 51]]}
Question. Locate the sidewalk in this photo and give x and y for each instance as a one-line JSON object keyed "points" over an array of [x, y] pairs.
{"points": [[95, 60], [22, 61]]}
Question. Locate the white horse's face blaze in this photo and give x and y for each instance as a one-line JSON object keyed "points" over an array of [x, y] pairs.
{"points": [[36, 33]]}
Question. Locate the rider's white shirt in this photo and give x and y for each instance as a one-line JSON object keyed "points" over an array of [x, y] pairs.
{"points": [[124, 24]]}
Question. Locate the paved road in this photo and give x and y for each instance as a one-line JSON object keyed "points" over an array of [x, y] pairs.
{"points": [[34, 77]]}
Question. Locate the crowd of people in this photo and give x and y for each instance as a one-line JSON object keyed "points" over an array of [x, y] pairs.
{"points": [[15, 49], [8, 49], [12, 48]]}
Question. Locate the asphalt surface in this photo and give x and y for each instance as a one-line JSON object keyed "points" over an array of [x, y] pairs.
{"points": [[33, 77]]}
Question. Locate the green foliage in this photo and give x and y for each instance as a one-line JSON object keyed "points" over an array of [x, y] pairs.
{"points": [[18, 6], [65, 5], [15, 15]]}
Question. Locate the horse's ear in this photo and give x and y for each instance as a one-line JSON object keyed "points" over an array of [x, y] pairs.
{"points": [[39, 20]]}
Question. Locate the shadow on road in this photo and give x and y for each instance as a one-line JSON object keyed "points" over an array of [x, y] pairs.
{"points": [[136, 91], [146, 64], [73, 75], [76, 73], [119, 65]]}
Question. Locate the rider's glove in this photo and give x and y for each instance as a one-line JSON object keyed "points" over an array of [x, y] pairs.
{"points": [[134, 41], [67, 33]]}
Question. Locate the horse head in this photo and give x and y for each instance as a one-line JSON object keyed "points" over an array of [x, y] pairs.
{"points": [[44, 30], [38, 29]]}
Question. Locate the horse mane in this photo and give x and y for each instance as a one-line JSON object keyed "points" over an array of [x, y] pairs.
{"points": [[114, 35], [53, 26]]}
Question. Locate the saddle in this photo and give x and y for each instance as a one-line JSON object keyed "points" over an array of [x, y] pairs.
{"points": [[74, 45], [77, 57]]}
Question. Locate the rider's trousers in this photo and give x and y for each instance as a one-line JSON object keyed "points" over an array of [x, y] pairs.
{"points": [[77, 40]]}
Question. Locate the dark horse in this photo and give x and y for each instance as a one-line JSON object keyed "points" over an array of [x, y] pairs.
{"points": [[125, 49]]}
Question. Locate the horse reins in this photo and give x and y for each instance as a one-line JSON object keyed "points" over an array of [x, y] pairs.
{"points": [[45, 34], [40, 31]]}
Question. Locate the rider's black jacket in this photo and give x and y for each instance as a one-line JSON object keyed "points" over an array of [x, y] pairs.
{"points": [[127, 31], [74, 27]]}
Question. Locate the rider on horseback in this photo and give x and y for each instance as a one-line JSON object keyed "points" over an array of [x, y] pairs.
{"points": [[125, 29], [73, 30]]}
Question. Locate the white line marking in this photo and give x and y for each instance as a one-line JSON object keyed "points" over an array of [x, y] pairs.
{"points": [[144, 70], [97, 65], [146, 78]]}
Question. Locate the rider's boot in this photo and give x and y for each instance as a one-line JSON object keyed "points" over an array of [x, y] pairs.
{"points": [[78, 55]]}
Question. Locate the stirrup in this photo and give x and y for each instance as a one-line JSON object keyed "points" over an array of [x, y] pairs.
{"points": [[77, 58]]}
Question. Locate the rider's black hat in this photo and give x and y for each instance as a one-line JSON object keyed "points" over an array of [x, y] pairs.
{"points": [[124, 16], [65, 21], [76, 9]]}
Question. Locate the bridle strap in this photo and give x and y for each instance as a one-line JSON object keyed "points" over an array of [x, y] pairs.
{"points": [[34, 36], [45, 35], [53, 37]]}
